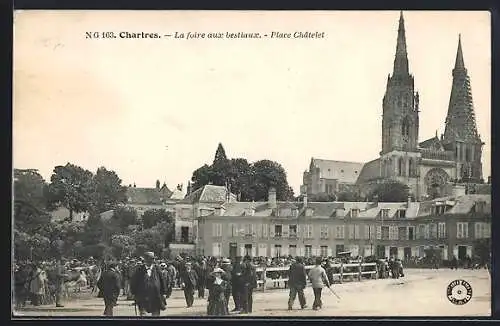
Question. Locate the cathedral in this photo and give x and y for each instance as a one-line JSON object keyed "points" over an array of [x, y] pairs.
{"points": [[430, 168]]}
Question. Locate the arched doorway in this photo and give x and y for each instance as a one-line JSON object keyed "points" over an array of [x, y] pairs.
{"points": [[435, 181]]}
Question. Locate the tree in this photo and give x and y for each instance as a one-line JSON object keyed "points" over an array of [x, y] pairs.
{"points": [[267, 174], [152, 217], [201, 177], [71, 187], [391, 192], [124, 216], [122, 245], [239, 178], [108, 191], [348, 196], [322, 197], [29, 199], [220, 168]]}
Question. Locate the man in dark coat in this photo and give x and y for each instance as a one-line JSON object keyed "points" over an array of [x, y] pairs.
{"points": [[202, 271], [297, 283], [109, 284], [237, 283], [227, 268], [249, 278], [189, 284], [148, 287], [60, 276]]}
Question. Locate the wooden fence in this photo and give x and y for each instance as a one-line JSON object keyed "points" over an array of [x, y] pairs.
{"points": [[354, 271]]}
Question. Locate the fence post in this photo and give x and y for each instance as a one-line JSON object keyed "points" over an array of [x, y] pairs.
{"points": [[376, 270], [341, 272], [360, 270], [264, 279]]}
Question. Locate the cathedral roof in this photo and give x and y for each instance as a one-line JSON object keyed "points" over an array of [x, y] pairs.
{"points": [[342, 171], [370, 171]]}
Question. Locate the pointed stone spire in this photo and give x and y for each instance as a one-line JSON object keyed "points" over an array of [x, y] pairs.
{"points": [[460, 120], [401, 58], [459, 61]]}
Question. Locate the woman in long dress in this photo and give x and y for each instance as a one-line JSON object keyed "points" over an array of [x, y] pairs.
{"points": [[217, 305]]}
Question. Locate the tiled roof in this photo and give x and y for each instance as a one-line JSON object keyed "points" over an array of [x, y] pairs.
{"points": [[177, 195], [210, 194], [466, 203], [147, 196], [370, 171], [342, 171]]}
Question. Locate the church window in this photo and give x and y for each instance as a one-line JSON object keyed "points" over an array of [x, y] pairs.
{"points": [[405, 128], [411, 164], [467, 154], [400, 167]]}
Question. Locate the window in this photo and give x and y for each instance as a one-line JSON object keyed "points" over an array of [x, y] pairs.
{"points": [[439, 209], [384, 213], [293, 230], [308, 231], [232, 230], [354, 212], [433, 231], [356, 232], [217, 230], [277, 250], [184, 234], [481, 230], [379, 233], [350, 232], [393, 233], [264, 230], [427, 231], [411, 233], [401, 213], [324, 232], [400, 167], [366, 232], [248, 229], [262, 250], [421, 231], [402, 233], [385, 233], [308, 251], [462, 230], [339, 232], [339, 249], [292, 250], [248, 249], [441, 230], [323, 251], [278, 230]]}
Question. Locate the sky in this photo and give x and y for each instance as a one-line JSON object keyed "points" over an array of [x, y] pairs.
{"points": [[157, 108]]}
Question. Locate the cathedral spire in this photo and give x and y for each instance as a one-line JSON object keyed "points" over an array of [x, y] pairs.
{"points": [[459, 61], [461, 120], [401, 58]]}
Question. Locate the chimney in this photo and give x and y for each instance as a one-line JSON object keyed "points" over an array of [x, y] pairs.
{"points": [[271, 199], [305, 200]]}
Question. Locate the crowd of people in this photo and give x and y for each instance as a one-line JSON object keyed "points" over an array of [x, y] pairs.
{"points": [[149, 281]]}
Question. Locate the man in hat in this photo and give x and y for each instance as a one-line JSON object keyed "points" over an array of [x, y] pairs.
{"points": [[297, 282], [60, 276], [109, 284], [249, 278], [172, 276], [227, 268], [319, 279], [189, 283], [237, 283], [148, 287], [202, 271]]}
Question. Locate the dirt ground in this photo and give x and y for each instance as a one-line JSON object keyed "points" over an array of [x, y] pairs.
{"points": [[419, 293]]}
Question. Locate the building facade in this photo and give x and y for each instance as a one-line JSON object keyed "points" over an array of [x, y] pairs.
{"points": [[404, 230], [430, 168]]}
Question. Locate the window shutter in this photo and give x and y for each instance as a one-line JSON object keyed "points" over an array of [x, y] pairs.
{"points": [[356, 232], [379, 232], [273, 251], [311, 232], [190, 234], [327, 231], [271, 231], [286, 230], [459, 226], [242, 250], [252, 230], [265, 228], [254, 251], [259, 230]]}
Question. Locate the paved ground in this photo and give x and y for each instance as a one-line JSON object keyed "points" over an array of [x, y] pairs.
{"points": [[420, 293]]}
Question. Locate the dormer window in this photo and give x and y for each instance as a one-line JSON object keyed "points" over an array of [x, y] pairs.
{"points": [[401, 213], [439, 209], [354, 212], [384, 213], [309, 212]]}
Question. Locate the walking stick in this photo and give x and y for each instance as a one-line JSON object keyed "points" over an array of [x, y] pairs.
{"points": [[329, 288]]}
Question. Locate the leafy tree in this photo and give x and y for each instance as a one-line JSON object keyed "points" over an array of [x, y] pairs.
{"points": [[29, 199], [71, 187], [391, 192], [108, 191], [321, 197], [122, 245], [482, 250], [239, 178], [125, 216], [152, 217], [201, 177], [267, 174], [220, 154], [348, 196]]}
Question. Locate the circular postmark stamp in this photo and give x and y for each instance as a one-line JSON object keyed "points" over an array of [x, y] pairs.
{"points": [[459, 292]]}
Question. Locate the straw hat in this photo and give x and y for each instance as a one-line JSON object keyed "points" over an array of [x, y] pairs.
{"points": [[217, 270]]}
